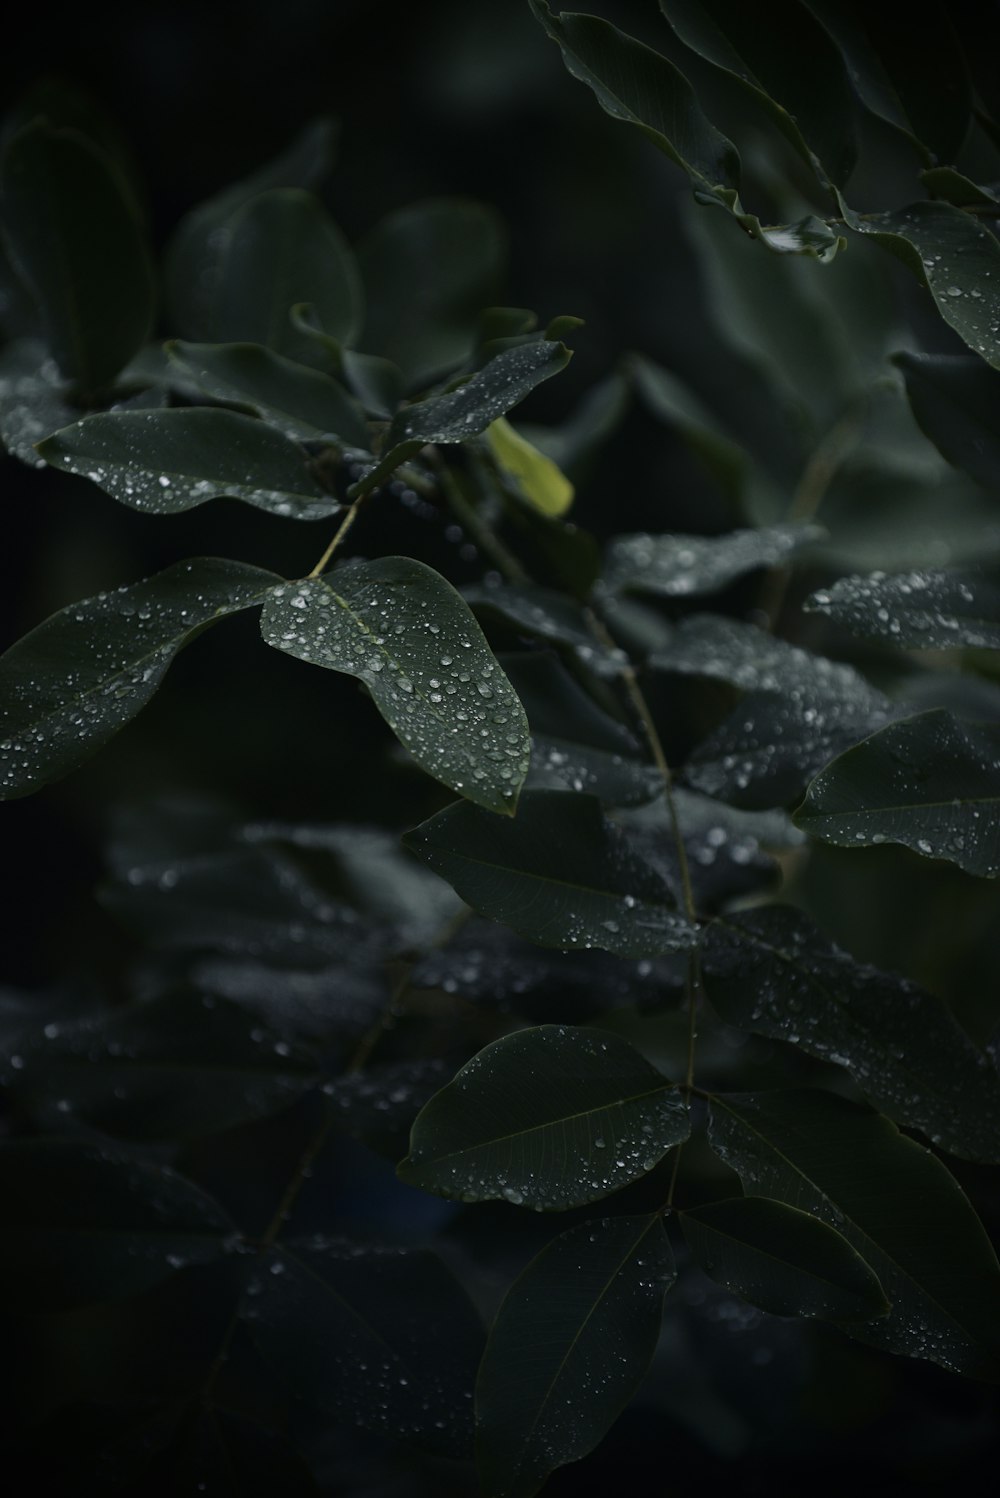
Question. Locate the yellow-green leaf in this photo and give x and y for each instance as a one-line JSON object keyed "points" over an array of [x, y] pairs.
{"points": [[541, 482]]}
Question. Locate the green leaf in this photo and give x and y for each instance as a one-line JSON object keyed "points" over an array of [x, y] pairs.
{"points": [[774, 973], [569, 1348], [87, 1223], [678, 566], [535, 476], [196, 254], [399, 627], [550, 1118], [282, 248], [549, 615], [785, 1261], [669, 399], [945, 182], [76, 237], [429, 270], [165, 461], [955, 398], [575, 744], [930, 610], [790, 67], [894, 1203], [928, 782], [382, 1338], [70, 684], [955, 257], [301, 402], [633, 83], [174, 1068], [559, 874], [376, 383]]}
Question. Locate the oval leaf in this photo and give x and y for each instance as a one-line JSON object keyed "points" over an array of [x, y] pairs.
{"points": [[402, 629], [69, 685], [537, 478], [560, 874], [677, 566], [569, 1348], [783, 1260], [928, 782], [920, 610], [550, 1118], [894, 1203]]}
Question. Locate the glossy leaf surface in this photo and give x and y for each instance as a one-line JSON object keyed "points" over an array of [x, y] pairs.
{"points": [[677, 566], [928, 782], [399, 627], [955, 398], [550, 1118], [559, 874], [164, 461], [568, 1350], [918, 610], [73, 682], [893, 1202], [785, 1261]]}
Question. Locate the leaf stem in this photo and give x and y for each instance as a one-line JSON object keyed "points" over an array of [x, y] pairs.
{"points": [[482, 534], [339, 535]]}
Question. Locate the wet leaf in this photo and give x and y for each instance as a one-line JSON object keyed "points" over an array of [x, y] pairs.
{"points": [[34, 400], [678, 566], [88, 1223], [302, 403], [785, 1261], [930, 610], [894, 1203], [774, 973], [161, 462], [955, 398], [77, 239], [559, 874], [547, 615], [383, 1338], [928, 782], [569, 1348], [549, 1118], [399, 627], [74, 681]]}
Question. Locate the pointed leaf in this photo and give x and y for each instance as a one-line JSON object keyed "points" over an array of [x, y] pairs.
{"points": [[893, 1202], [76, 237], [677, 566], [785, 1261], [402, 629], [87, 1223], [774, 973], [928, 782], [70, 684], [383, 1338], [559, 874], [165, 461], [550, 1118], [790, 67], [429, 270], [955, 398], [919, 610], [569, 1348], [633, 83], [301, 402], [534, 475]]}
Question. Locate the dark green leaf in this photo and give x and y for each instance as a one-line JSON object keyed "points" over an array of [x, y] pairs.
{"points": [[918, 610], [774, 973], [376, 383], [399, 627], [670, 399], [196, 255], [380, 1103], [678, 566], [171, 1069], [783, 1260], [633, 83], [282, 248], [548, 615], [945, 182], [429, 269], [928, 782], [955, 398], [77, 240], [164, 461], [70, 684], [301, 402], [86, 1223], [596, 419], [550, 1118], [894, 1203], [383, 1338], [790, 67], [568, 1350], [559, 874]]}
